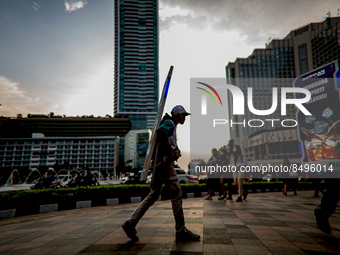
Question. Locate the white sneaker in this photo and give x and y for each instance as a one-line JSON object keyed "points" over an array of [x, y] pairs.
{"points": [[208, 197]]}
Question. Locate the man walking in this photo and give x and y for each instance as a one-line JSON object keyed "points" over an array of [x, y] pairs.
{"points": [[166, 152], [328, 205]]}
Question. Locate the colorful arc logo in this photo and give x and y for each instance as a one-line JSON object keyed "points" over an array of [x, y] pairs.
{"points": [[213, 90]]}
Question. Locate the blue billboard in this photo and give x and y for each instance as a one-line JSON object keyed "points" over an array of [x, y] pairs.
{"points": [[319, 133]]}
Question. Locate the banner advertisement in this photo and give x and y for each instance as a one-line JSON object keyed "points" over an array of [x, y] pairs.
{"points": [[284, 128], [319, 132]]}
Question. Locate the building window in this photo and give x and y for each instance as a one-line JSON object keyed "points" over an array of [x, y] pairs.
{"points": [[303, 58]]}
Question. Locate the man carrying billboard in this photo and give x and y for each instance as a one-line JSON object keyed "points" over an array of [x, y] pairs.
{"points": [[166, 153]]}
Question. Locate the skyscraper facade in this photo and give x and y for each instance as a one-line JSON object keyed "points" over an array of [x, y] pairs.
{"points": [[300, 51], [136, 61], [325, 42], [263, 69], [41, 141]]}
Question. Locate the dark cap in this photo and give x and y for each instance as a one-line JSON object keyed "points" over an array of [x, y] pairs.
{"points": [[178, 109]]}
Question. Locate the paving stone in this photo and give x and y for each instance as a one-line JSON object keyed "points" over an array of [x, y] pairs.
{"points": [[252, 250], [285, 251], [226, 249], [187, 247], [267, 223], [246, 242], [157, 247]]}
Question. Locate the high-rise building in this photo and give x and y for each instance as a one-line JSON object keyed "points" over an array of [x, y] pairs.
{"points": [[300, 51], [136, 61], [262, 70], [325, 42], [136, 145], [316, 44]]}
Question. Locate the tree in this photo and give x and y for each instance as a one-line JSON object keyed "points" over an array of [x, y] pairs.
{"points": [[176, 166], [19, 115]]}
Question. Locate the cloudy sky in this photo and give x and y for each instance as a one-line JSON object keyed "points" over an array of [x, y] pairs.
{"points": [[57, 55]]}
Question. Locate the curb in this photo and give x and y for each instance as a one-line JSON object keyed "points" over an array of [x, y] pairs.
{"points": [[7, 213], [115, 201], [48, 208]]}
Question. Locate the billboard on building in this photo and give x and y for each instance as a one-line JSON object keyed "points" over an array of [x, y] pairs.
{"points": [[319, 133]]}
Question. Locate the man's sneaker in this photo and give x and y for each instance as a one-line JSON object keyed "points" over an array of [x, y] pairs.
{"points": [[230, 198], [221, 198], [186, 235], [239, 199], [322, 221], [208, 197], [245, 194], [130, 231]]}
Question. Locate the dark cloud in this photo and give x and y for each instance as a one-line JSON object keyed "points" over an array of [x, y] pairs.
{"points": [[49, 57], [257, 20]]}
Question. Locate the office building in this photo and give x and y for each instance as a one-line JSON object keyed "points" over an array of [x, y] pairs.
{"points": [[136, 61], [316, 44], [272, 146], [71, 142], [63, 127], [97, 153], [192, 164], [136, 146], [263, 69], [300, 51], [325, 42]]}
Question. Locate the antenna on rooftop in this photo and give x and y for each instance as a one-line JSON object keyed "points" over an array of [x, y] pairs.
{"points": [[268, 41]]}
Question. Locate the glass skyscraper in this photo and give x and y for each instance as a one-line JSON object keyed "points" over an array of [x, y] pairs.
{"points": [[136, 61]]}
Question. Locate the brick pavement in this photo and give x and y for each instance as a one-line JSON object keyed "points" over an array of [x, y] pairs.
{"points": [[267, 223]]}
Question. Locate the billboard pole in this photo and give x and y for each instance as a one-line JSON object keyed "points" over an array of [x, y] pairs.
{"points": [[159, 115]]}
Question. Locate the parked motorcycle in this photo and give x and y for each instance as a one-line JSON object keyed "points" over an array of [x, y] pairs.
{"points": [[82, 181], [47, 183]]}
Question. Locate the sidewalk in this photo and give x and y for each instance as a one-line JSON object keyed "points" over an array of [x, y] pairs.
{"points": [[267, 223]]}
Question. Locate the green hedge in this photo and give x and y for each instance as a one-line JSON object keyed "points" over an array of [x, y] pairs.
{"points": [[28, 201]]}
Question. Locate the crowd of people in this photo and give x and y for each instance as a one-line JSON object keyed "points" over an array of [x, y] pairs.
{"points": [[85, 179], [216, 181], [50, 180]]}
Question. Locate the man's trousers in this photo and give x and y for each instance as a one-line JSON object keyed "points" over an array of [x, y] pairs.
{"points": [[174, 189]]}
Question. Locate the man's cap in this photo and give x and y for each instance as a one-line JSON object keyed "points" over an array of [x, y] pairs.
{"points": [[178, 109]]}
